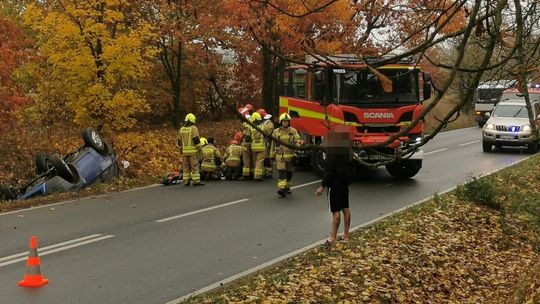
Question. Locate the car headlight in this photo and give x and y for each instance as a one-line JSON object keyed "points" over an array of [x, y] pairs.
{"points": [[478, 113], [489, 126], [526, 128]]}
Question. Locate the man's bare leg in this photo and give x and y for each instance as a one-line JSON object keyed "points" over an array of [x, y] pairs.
{"points": [[347, 223], [336, 218]]}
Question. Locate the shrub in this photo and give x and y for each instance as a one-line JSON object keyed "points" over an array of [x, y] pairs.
{"points": [[479, 191]]}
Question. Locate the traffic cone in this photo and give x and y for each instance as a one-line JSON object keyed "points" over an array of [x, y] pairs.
{"points": [[33, 277]]}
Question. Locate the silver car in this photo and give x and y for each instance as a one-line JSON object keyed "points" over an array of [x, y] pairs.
{"points": [[509, 125]]}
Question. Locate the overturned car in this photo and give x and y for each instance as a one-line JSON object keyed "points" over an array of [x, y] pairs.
{"points": [[94, 161]]}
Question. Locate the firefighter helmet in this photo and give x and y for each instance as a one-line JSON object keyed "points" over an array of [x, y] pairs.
{"points": [[243, 110], [256, 117], [204, 142], [262, 112], [284, 116], [190, 117]]}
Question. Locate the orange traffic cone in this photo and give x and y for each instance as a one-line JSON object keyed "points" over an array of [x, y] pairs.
{"points": [[33, 277]]}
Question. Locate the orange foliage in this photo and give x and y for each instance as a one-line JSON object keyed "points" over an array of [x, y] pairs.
{"points": [[14, 52], [151, 153]]}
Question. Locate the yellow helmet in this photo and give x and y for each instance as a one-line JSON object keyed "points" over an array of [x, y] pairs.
{"points": [[284, 116], [256, 117], [190, 117], [204, 141]]}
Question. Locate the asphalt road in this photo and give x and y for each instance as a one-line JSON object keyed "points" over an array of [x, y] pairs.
{"points": [[157, 244]]}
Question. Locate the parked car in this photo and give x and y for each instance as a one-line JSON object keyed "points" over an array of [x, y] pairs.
{"points": [[94, 161], [509, 125]]}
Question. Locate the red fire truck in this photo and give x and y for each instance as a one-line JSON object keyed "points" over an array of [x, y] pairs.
{"points": [[345, 91]]}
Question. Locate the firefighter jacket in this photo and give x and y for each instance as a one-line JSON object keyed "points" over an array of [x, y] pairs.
{"points": [[233, 155], [258, 143], [268, 125], [187, 134], [287, 135], [210, 154]]}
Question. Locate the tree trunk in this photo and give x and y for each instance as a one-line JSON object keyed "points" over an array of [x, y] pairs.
{"points": [[178, 108], [268, 81]]}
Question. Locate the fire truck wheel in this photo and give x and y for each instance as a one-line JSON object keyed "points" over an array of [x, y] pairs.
{"points": [[318, 159], [405, 169]]}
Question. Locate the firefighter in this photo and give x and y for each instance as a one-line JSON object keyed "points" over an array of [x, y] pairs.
{"points": [[269, 126], [233, 160], [258, 145], [246, 155], [189, 140], [211, 161], [284, 156]]}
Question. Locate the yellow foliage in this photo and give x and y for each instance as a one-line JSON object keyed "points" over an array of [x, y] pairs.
{"points": [[94, 56]]}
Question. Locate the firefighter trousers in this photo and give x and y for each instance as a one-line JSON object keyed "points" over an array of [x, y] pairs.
{"points": [[247, 163], [190, 168], [285, 171], [258, 158]]}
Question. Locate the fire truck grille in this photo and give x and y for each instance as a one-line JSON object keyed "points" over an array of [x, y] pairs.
{"points": [[507, 128], [374, 129]]}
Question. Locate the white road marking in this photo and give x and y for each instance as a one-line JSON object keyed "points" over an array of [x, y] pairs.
{"points": [[318, 243], [306, 184], [55, 248], [223, 205], [436, 151], [202, 210], [469, 143]]}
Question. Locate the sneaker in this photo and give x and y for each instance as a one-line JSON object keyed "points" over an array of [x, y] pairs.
{"points": [[281, 192]]}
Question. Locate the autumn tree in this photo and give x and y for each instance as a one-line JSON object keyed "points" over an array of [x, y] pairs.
{"points": [[15, 50], [96, 57], [270, 32], [189, 39]]}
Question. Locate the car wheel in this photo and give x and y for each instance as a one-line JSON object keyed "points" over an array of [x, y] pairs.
{"points": [[486, 146], [62, 169], [43, 163], [6, 193], [94, 140]]}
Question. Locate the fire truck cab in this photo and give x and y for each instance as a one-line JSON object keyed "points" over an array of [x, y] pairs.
{"points": [[347, 92]]}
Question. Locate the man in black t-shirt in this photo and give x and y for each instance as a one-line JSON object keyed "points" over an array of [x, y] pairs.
{"points": [[337, 178]]}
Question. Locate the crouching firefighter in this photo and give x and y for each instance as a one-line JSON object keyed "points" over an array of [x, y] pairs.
{"points": [[283, 155], [189, 140], [211, 161], [233, 160]]}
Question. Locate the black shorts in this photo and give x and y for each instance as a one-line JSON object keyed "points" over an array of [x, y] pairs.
{"points": [[338, 198]]}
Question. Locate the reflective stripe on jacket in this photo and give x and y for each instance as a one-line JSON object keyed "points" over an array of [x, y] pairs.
{"points": [[288, 135], [209, 155], [186, 135], [233, 155]]}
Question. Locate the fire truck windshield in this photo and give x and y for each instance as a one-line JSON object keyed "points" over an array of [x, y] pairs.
{"points": [[362, 88]]}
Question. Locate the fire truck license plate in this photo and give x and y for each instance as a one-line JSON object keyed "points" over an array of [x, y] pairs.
{"points": [[379, 157]]}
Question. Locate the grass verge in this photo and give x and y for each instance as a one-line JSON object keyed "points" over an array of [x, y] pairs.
{"points": [[477, 244]]}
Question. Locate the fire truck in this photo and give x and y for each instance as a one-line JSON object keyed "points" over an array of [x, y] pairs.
{"points": [[347, 92], [486, 96]]}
